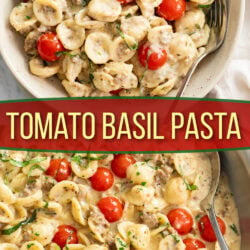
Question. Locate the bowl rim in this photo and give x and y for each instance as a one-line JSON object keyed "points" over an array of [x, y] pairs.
{"points": [[37, 94]]}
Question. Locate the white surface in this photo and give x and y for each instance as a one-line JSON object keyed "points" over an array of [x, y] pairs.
{"points": [[10, 89], [235, 84]]}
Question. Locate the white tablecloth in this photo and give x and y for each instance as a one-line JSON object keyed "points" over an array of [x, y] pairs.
{"points": [[235, 84]]}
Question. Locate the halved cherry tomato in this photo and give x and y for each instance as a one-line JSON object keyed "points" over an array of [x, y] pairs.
{"points": [[152, 58], [111, 208], [60, 169], [115, 92], [102, 180], [181, 220], [125, 1], [120, 163], [48, 46], [65, 235], [193, 244], [206, 229], [171, 9]]}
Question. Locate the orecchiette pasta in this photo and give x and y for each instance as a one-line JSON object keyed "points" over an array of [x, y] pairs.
{"points": [[77, 201], [84, 37]]}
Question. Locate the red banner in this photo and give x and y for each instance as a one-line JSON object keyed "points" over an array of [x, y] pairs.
{"points": [[124, 125]]}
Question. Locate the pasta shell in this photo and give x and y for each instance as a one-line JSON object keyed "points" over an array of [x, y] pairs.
{"points": [[80, 211], [104, 10], [169, 243], [48, 12], [37, 68], [18, 183], [136, 27], [97, 47], [72, 65], [139, 195], [32, 245], [160, 35], [74, 247], [176, 192], [123, 229], [8, 246], [85, 169], [120, 243], [104, 82], [139, 236], [70, 34], [6, 213], [22, 17], [95, 247], [76, 89], [165, 88], [6, 194], [120, 51], [63, 192], [163, 224], [30, 200], [141, 173]]}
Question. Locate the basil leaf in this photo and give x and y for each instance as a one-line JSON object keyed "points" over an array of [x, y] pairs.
{"points": [[122, 35], [204, 6], [22, 164], [234, 228], [79, 158], [20, 224], [190, 187]]}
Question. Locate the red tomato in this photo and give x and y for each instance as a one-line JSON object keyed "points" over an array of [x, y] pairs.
{"points": [[153, 59], [48, 45], [102, 180], [193, 244], [115, 92], [65, 235], [181, 220], [111, 208], [171, 9], [206, 229], [120, 164], [125, 1], [60, 169]]}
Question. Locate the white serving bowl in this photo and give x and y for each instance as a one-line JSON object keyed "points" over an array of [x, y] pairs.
{"points": [[206, 76]]}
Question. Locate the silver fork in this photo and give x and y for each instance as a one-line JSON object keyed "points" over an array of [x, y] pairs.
{"points": [[217, 19]]}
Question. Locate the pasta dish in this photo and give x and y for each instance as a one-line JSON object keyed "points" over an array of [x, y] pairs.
{"points": [[58, 201]]}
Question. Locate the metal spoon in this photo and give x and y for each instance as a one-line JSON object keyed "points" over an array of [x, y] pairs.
{"points": [[217, 19], [208, 203]]}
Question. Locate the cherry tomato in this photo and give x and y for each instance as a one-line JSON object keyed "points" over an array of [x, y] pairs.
{"points": [[65, 235], [206, 229], [120, 164], [171, 9], [181, 220], [125, 1], [152, 58], [115, 92], [193, 244], [60, 169], [111, 208], [48, 46], [102, 180]]}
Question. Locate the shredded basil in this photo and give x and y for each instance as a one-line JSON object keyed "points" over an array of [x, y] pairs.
{"points": [[204, 6], [67, 53], [78, 158], [30, 245], [175, 238], [22, 164], [122, 35], [235, 229], [28, 17], [190, 187], [20, 224]]}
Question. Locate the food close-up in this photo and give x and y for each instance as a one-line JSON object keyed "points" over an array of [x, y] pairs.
{"points": [[113, 47], [99, 202]]}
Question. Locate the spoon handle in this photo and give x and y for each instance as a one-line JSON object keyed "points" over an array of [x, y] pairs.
{"points": [[215, 225]]}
